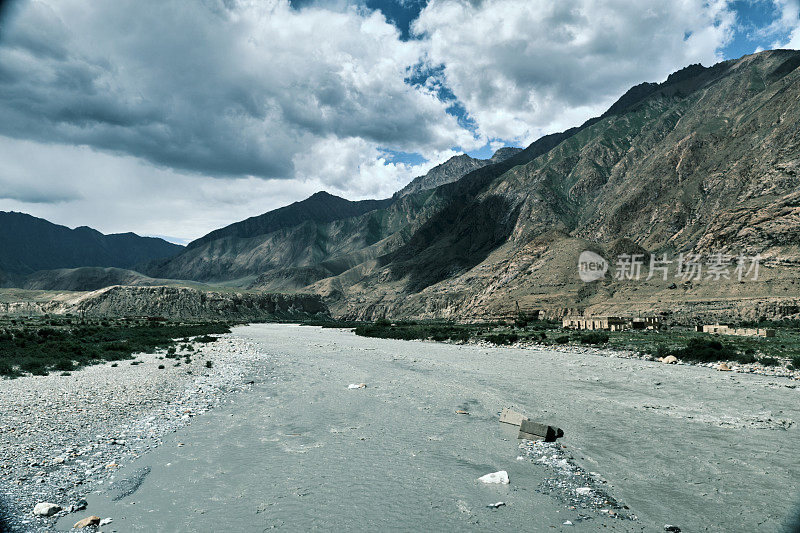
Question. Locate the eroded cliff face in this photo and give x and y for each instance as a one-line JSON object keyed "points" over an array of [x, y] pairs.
{"points": [[175, 302]]}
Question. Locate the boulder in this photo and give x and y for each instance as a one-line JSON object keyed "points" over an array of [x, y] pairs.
{"points": [[46, 509], [723, 367], [87, 522], [670, 360], [500, 477]]}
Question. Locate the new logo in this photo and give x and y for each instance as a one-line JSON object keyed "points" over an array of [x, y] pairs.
{"points": [[591, 266]]}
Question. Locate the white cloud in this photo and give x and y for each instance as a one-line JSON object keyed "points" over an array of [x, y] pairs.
{"points": [[527, 67], [788, 23], [219, 88], [77, 186], [181, 116]]}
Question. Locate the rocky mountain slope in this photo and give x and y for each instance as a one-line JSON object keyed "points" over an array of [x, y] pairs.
{"points": [[172, 302], [29, 244], [85, 279], [706, 162], [453, 170]]}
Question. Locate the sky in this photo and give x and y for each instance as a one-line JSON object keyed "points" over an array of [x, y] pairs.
{"points": [[177, 117]]}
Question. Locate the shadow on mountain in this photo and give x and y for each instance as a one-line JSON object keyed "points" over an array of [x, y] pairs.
{"points": [[456, 239]]}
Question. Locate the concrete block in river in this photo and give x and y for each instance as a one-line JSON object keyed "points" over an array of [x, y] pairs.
{"points": [[512, 417], [536, 431]]}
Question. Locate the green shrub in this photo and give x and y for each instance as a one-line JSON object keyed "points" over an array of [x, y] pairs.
{"points": [[769, 361], [37, 348], [563, 339], [502, 338], [594, 338], [414, 331], [702, 350], [746, 358]]}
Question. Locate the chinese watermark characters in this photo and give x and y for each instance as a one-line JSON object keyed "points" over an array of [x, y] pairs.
{"points": [[685, 267]]}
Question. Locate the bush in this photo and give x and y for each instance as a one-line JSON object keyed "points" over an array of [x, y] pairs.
{"points": [[662, 351], [746, 358], [413, 331], [37, 348], [209, 364], [795, 361], [563, 339], [503, 338], [769, 361], [594, 338], [701, 350]]}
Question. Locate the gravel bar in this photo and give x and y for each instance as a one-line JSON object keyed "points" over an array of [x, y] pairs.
{"points": [[64, 436]]}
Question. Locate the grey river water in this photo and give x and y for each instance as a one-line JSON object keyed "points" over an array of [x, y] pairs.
{"points": [[706, 450]]}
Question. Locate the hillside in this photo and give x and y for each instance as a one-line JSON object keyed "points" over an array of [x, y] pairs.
{"points": [[29, 244], [162, 301], [705, 162]]}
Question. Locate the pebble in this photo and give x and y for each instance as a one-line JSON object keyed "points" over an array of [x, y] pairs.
{"points": [[568, 482]]}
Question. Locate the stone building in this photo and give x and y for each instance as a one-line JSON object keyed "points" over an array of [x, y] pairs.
{"points": [[609, 323], [718, 329]]}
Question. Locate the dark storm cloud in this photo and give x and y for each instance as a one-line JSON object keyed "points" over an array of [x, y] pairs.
{"points": [[217, 88]]}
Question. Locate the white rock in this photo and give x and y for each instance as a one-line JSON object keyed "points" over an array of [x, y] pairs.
{"points": [[46, 509], [495, 477], [357, 386], [583, 491], [105, 521]]}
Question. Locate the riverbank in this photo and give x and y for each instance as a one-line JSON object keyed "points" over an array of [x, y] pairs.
{"points": [[65, 436], [670, 444], [777, 356]]}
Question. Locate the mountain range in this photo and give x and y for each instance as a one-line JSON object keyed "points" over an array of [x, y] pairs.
{"points": [[705, 162], [31, 244]]}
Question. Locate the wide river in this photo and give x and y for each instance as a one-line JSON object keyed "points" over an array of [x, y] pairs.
{"points": [[683, 445]]}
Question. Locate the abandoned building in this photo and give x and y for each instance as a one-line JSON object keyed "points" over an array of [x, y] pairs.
{"points": [[609, 323], [742, 332]]}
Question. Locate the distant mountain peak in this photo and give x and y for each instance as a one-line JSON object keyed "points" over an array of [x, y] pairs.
{"points": [[453, 170]]}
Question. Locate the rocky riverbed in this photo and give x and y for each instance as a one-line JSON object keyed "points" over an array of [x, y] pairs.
{"points": [[646, 444], [65, 436]]}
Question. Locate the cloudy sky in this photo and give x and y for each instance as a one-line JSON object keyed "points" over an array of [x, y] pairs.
{"points": [[175, 117]]}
